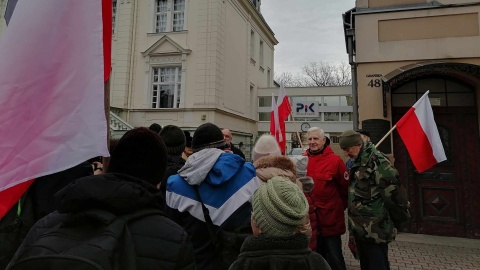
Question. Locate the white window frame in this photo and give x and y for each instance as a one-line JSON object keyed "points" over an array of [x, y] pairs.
{"points": [[169, 13], [155, 101]]}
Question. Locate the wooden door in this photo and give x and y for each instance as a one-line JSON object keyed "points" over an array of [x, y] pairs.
{"points": [[444, 198]]}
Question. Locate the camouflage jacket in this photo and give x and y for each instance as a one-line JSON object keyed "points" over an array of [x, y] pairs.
{"points": [[377, 203]]}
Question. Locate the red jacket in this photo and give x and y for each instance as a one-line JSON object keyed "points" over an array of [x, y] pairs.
{"points": [[313, 221], [330, 191]]}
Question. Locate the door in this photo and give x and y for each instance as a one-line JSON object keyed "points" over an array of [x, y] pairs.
{"points": [[443, 198]]}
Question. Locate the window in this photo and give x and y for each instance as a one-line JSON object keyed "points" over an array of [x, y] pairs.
{"points": [[169, 15], [269, 78], [252, 44], [166, 87], [261, 53], [114, 15]]}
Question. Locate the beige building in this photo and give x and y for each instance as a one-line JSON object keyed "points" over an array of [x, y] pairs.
{"points": [[399, 49], [186, 63]]}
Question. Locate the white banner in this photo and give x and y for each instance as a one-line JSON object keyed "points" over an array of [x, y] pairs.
{"points": [[304, 108]]}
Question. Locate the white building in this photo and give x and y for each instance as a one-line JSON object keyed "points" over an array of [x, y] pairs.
{"points": [[329, 108], [186, 63]]}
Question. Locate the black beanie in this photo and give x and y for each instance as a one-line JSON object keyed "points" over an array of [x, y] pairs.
{"points": [[207, 135], [174, 139], [188, 139], [140, 153]]}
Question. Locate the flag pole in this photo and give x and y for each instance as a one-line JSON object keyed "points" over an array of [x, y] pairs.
{"points": [[296, 130], [386, 135]]}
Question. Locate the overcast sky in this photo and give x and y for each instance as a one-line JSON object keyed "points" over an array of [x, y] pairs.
{"points": [[307, 30]]}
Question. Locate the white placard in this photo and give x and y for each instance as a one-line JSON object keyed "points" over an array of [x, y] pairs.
{"points": [[435, 101], [304, 108]]}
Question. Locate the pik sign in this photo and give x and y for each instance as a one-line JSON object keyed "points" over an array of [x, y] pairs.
{"points": [[305, 109]]}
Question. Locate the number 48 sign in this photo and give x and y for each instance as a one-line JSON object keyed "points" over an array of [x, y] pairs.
{"points": [[375, 83]]}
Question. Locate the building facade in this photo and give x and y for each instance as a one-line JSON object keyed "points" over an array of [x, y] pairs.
{"points": [[187, 62], [399, 49], [329, 108]]}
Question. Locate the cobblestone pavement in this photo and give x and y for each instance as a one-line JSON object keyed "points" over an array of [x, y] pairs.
{"points": [[415, 251]]}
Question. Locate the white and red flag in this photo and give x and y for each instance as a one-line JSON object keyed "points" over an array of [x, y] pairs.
{"points": [[277, 130], [420, 135], [54, 59], [284, 108]]}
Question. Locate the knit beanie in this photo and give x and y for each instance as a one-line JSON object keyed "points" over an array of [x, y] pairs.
{"points": [[140, 153], [155, 128], [266, 146], [206, 136], [279, 207], [174, 140], [188, 138], [350, 138]]}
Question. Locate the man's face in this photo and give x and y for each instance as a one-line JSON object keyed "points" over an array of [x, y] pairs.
{"points": [[227, 135], [315, 141], [352, 151]]}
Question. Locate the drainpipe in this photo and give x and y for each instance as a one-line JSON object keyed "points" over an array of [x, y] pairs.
{"points": [[132, 59], [353, 66]]}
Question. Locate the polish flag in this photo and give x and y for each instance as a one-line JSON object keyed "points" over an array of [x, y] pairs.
{"points": [[284, 108], [277, 126], [54, 59], [419, 132]]}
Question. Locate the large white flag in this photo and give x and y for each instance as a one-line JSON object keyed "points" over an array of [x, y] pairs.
{"points": [[51, 89]]}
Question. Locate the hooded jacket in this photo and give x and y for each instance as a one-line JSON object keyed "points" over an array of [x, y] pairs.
{"points": [[277, 253], [121, 194], [330, 191], [226, 184]]}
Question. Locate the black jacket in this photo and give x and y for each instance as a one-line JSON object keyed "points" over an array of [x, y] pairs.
{"points": [[158, 241], [174, 163], [236, 150], [278, 253], [36, 203]]}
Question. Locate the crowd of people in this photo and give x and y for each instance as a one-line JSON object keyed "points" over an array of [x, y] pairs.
{"points": [[168, 200]]}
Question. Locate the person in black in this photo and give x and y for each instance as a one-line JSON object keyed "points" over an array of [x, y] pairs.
{"points": [[137, 165], [227, 136], [174, 139], [36, 203]]}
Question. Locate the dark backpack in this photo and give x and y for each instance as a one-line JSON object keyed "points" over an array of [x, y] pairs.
{"points": [[94, 239]]}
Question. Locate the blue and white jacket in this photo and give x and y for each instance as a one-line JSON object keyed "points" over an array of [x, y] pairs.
{"points": [[226, 184]]}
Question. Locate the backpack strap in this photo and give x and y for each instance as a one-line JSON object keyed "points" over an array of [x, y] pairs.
{"points": [[208, 220]]}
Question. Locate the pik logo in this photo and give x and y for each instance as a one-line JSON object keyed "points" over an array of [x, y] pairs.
{"points": [[306, 107]]}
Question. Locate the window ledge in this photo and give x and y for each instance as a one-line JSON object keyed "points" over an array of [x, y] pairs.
{"points": [[165, 33], [253, 61]]}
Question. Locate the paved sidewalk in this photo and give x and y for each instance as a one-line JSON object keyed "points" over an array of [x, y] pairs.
{"points": [[418, 251]]}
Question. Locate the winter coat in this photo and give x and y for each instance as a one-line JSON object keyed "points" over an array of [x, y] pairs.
{"points": [[159, 242], [36, 203], [277, 253], [330, 191], [236, 150], [269, 166], [174, 163], [313, 221], [226, 184], [378, 204]]}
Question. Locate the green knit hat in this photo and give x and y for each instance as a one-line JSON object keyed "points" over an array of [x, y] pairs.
{"points": [[350, 138], [279, 207]]}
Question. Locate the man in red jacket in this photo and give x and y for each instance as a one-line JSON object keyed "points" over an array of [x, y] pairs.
{"points": [[330, 196]]}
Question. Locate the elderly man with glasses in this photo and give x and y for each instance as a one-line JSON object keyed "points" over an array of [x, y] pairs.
{"points": [[377, 203]]}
